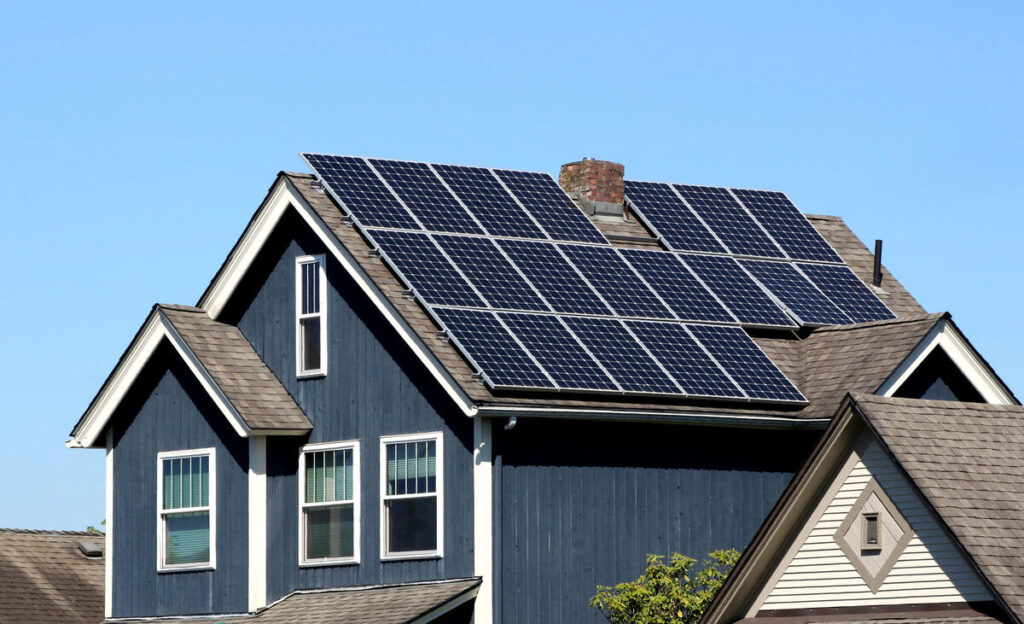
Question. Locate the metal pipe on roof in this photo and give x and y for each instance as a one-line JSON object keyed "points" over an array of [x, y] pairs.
{"points": [[877, 277]]}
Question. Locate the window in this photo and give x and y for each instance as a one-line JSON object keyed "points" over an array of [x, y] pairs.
{"points": [[871, 537], [186, 495], [329, 503], [411, 507], [310, 310]]}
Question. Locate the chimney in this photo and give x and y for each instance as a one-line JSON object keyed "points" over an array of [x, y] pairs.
{"points": [[596, 185]]}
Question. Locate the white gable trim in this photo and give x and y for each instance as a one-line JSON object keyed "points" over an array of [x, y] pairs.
{"points": [[282, 196], [946, 335], [156, 329]]}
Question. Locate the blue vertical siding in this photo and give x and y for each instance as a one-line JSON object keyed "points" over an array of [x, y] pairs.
{"points": [[167, 410], [374, 387], [582, 503]]}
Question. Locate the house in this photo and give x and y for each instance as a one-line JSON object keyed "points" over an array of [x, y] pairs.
{"points": [[908, 510], [51, 577], [488, 392]]}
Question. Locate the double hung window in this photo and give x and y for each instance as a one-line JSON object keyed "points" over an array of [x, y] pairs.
{"points": [[310, 311], [186, 498], [412, 510], [329, 504]]}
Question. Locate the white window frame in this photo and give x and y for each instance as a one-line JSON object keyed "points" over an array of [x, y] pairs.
{"points": [[322, 315], [438, 438], [161, 514], [356, 503]]}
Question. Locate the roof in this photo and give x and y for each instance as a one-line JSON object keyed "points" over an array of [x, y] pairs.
{"points": [[45, 578], [393, 604], [967, 459]]}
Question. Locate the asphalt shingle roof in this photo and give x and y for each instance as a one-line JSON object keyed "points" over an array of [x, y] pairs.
{"points": [[46, 579]]}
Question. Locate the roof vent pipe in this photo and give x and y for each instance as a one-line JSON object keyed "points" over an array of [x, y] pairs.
{"points": [[876, 279]]}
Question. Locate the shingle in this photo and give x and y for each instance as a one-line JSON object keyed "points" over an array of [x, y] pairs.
{"points": [[46, 579]]}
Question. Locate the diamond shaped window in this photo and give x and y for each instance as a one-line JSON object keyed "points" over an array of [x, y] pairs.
{"points": [[873, 535]]}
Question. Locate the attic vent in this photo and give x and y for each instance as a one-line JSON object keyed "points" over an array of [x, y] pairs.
{"points": [[90, 549]]}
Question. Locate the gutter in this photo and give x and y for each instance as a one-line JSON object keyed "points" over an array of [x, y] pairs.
{"points": [[689, 418]]}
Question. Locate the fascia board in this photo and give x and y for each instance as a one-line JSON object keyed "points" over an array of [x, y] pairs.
{"points": [[695, 418]]}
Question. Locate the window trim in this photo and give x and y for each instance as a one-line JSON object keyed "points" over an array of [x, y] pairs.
{"points": [[865, 518], [356, 504], [161, 514], [322, 315], [438, 438]]}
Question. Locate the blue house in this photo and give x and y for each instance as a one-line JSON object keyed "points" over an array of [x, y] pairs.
{"points": [[430, 393]]}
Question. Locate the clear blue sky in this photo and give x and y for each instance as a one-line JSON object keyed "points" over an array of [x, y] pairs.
{"points": [[137, 140]]}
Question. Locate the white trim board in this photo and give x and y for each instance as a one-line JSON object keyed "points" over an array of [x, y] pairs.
{"points": [[257, 522], [483, 529], [947, 336], [108, 548], [156, 329]]}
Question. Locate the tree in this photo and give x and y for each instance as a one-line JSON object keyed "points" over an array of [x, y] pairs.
{"points": [[666, 593]]}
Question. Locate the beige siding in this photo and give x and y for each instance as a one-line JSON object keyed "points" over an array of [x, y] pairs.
{"points": [[929, 570]]}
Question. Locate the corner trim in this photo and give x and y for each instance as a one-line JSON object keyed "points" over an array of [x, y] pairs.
{"points": [[483, 538], [257, 522]]}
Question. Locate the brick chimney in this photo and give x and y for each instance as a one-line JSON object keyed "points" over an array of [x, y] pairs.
{"points": [[595, 184]]}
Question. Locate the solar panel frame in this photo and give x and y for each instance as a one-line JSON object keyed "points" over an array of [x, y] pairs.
{"points": [[559, 282], [628, 294], [485, 265], [744, 297], [669, 218], [425, 268], [677, 286], [559, 352], [842, 286], [623, 357], [797, 294], [729, 220], [425, 196], [495, 208], [548, 204], [789, 227], [692, 367], [746, 363], [492, 349], [353, 183]]}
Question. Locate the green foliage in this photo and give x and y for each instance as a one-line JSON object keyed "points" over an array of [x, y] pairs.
{"points": [[666, 593]]}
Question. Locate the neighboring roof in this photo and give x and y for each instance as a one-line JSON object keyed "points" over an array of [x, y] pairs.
{"points": [[967, 459], [393, 604], [45, 578]]}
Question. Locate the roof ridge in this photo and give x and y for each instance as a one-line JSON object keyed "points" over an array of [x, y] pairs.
{"points": [[179, 306], [51, 532]]}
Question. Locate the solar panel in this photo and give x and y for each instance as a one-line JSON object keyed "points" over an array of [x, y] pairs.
{"points": [[494, 277], [549, 205], [745, 362], [615, 281], [845, 289], [693, 369], [425, 267], [481, 192], [688, 298], [729, 221], [787, 225], [425, 196], [558, 351], [621, 355], [360, 190], [658, 205], [798, 294], [741, 295], [554, 277], [489, 345]]}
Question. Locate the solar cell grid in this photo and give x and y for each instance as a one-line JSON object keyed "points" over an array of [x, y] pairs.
{"points": [[481, 192], [423, 264], [361, 191], [787, 225], [557, 351], [680, 354], [745, 362], [554, 277], [845, 289], [424, 194], [687, 297], [727, 219], [494, 277], [796, 292], [617, 283], [740, 294], [502, 360], [548, 204], [658, 204], [621, 355]]}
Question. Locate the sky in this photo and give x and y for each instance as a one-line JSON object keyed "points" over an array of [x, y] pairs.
{"points": [[136, 140]]}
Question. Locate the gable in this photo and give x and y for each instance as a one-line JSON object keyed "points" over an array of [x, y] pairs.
{"points": [[938, 378], [826, 568]]}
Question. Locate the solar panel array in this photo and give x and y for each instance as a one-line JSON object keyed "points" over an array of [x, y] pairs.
{"points": [[536, 297]]}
